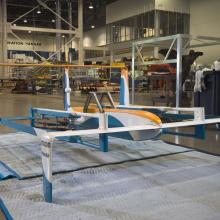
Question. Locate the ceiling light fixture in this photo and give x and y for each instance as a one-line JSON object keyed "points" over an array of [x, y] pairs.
{"points": [[53, 20], [92, 26], [38, 11], [25, 20], [63, 35], [91, 6]]}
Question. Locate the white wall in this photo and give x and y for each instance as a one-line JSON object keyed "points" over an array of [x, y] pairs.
{"points": [[122, 9], [93, 38], [205, 18], [181, 6], [35, 42]]}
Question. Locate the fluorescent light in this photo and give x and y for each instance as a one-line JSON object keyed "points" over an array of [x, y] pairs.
{"points": [[92, 26], [91, 6], [25, 20]]}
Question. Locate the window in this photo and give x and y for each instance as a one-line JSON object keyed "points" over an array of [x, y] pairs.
{"points": [[143, 26]]}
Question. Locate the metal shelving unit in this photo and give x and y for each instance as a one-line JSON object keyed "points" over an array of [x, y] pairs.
{"points": [[180, 43]]}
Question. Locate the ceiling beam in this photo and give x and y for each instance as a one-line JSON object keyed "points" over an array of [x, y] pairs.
{"points": [[20, 5], [42, 30]]}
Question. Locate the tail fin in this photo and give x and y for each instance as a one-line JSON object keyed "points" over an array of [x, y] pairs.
{"points": [[67, 91], [124, 88]]}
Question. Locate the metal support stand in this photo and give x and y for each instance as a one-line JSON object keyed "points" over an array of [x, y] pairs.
{"points": [[46, 151], [47, 190], [103, 138], [103, 142], [200, 132], [32, 115]]}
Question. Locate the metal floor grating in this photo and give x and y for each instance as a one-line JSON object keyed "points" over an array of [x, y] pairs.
{"points": [[178, 187], [22, 154]]}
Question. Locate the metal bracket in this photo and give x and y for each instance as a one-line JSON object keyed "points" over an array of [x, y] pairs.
{"points": [[98, 97]]}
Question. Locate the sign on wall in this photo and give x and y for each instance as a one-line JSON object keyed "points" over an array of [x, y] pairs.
{"points": [[31, 42]]}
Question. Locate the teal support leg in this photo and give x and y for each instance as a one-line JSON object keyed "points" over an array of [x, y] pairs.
{"points": [[103, 142], [32, 117], [71, 139], [200, 132], [47, 190]]}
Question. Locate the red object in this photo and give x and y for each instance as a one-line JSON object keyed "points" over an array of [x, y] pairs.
{"points": [[161, 68]]}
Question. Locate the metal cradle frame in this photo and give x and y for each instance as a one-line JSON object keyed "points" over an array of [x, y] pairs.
{"points": [[47, 136]]}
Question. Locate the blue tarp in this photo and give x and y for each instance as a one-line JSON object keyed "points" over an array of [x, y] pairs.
{"points": [[5, 210], [5, 172]]}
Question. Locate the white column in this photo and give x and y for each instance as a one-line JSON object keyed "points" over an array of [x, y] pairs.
{"points": [[3, 38], [133, 74], [70, 35], [104, 54], [157, 31], [179, 70], [112, 58], [80, 30], [58, 26]]}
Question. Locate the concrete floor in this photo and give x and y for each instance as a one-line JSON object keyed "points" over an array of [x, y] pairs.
{"points": [[18, 105], [2, 216]]}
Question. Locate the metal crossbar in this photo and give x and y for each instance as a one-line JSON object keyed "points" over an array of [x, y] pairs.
{"points": [[133, 128], [98, 97]]}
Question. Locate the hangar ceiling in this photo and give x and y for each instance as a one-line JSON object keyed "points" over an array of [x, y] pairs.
{"points": [[92, 17]]}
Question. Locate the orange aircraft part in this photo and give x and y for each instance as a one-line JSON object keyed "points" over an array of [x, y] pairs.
{"points": [[140, 113]]}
